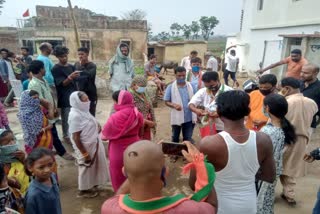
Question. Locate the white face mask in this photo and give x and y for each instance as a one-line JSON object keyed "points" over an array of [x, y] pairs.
{"points": [[85, 106]]}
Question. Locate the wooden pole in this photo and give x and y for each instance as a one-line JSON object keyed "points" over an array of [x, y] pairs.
{"points": [[75, 28]]}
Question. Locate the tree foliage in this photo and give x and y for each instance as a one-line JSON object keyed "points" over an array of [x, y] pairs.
{"points": [[195, 28], [163, 36], [135, 14], [207, 24], [1, 3], [186, 29], [179, 32], [175, 29]]}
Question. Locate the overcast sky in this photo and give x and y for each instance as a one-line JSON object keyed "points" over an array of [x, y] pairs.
{"points": [[161, 13]]}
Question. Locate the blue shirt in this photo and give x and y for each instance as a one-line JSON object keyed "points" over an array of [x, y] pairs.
{"points": [[25, 84], [183, 91], [195, 82], [42, 199], [48, 65]]}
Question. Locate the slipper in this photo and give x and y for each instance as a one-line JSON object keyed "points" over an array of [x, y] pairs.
{"points": [[87, 195], [291, 202]]}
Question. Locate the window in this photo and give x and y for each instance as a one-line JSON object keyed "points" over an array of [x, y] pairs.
{"points": [[29, 44], [260, 4], [85, 44]]}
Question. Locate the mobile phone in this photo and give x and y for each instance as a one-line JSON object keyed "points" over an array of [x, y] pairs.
{"points": [[171, 148]]}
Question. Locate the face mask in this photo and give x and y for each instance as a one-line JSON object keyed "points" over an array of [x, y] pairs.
{"points": [[7, 152], [214, 88], [85, 106], [196, 69], [266, 92], [141, 90], [265, 113], [181, 81]]}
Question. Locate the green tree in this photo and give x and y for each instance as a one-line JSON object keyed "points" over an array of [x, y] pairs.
{"points": [[186, 31], [1, 3], [195, 28], [175, 29], [135, 14], [207, 25], [163, 36]]}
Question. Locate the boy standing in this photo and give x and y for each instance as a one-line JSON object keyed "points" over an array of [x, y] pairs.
{"points": [[24, 62], [65, 80], [87, 78], [194, 76]]}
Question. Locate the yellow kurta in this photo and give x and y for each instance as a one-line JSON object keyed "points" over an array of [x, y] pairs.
{"points": [[300, 113]]}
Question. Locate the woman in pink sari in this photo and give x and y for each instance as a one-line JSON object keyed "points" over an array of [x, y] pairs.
{"points": [[122, 129]]}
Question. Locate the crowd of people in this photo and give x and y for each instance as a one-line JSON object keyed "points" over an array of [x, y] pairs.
{"points": [[249, 141]]}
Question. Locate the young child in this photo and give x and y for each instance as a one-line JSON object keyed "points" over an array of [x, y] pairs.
{"points": [[9, 202], [43, 193], [4, 122], [25, 83], [12, 159]]}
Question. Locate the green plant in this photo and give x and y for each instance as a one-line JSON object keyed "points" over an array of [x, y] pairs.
{"points": [[139, 70]]}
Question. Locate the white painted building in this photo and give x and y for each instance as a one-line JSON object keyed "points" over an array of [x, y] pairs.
{"points": [[263, 21]]}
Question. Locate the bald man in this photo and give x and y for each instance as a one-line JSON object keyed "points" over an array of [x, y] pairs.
{"points": [[310, 88], [144, 166]]}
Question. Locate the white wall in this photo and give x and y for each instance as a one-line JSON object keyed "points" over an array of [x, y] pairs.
{"points": [[252, 38], [282, 13]]}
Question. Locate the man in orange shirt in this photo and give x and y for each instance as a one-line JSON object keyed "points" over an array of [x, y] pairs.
{"points": [[257, 119], [295, 62]]}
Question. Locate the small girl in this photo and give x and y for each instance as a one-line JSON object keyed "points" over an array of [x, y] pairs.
{"points": [[43, 193], [4, 122], [9, 202]]}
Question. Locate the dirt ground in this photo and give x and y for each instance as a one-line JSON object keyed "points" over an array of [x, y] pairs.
{"points": [[307, 187]]}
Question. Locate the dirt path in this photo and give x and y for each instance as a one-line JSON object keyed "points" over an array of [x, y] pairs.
{"points": [[307, 187]]}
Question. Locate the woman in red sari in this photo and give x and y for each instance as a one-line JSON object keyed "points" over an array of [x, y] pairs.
{"points": [[122, 129]]}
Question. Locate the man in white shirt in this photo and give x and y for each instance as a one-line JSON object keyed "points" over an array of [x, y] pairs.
{"points": [[206, 97], [232, 65], [194, 76], [212, 63], [186, 61]]}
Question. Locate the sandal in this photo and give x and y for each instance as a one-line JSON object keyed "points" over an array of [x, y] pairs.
{"points": [[87, 194], [291, 202]]}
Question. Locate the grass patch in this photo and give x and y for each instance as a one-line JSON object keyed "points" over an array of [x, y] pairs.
{"points": [[139, 70]]}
